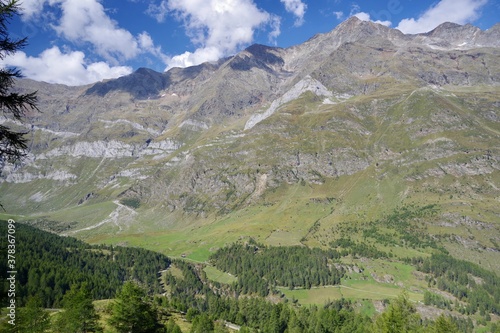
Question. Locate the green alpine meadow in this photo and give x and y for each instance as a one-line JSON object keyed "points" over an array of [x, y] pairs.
{"points": [[347, 184]]}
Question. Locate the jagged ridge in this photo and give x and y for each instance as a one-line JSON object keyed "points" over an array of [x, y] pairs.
{"points": [[356, 109]]}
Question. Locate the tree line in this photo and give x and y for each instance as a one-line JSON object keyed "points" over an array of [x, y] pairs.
{"points": [[260, 269], [208, 305], [132, 310], [48, 265], [468, 282], [205, 307]]}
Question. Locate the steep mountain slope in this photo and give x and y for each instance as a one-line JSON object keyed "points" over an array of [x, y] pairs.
{"points": [[284, 145]]}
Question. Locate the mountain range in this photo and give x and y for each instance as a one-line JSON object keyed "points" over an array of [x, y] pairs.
{"points": [[290, 146]]}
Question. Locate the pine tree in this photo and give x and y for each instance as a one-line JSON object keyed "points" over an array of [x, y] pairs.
{"points": [[132, 312], [400, 317], [79, 314], [33, 318], [202, 324], [172, 327], [13, 105], [444, 325]]}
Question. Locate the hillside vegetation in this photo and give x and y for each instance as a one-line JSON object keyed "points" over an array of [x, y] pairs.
{"points": [[48, 265]]}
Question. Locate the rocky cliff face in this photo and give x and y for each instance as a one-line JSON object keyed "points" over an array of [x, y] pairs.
{"points": [[362, 104]]}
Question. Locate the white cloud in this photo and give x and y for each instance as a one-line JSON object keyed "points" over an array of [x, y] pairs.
{"points": [[86, 21], [146, 44], [159, 12], [366, 17], [355, 9], [217, 27], [31, 8], [297, 8], [339, 15], [457, 11], [275, 23], [53, 66], [194, 58]]}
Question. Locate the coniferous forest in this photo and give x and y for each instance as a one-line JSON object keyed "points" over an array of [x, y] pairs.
{"points": [[49, 265], [68, 275], [259, 268]]}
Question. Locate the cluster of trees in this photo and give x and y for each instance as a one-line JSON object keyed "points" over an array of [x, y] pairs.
{"points": [[407, 231], [191, 295], [347, 246], [185, 293], [437, 300], [205, 307], [51, 264], [208, 305], [468, 282], [260, 268], [131, 311], [401, 227]]}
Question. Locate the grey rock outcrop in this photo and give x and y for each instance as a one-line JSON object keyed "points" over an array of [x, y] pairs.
{"points": [[360, 100]]}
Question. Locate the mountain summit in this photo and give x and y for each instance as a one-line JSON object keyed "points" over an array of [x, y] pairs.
{"points": [[262, 73], [275, 143]]}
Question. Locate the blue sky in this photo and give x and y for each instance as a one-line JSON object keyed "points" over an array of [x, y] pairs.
{"points": [[77, 42]]}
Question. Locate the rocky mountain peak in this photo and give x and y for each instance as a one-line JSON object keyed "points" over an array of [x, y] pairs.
{"points": [[142, 84], [264, 52], [454, 33], [455, 36], [258, 56], [494, 29], [354, 29], [446, 26], [491, 36], [350, 24], [359, 119], [447, 35]]}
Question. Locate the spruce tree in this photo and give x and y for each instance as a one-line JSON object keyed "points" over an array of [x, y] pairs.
{"points": [[444, 325], [172, 327], [202, 324], [12, 104], [33, 318], [400, 317], [79, 314], [133, 312]]}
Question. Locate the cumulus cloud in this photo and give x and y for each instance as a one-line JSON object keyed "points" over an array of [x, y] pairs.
{"points": [[366, 17], [53, 66], [457, 11], [217, 28], [82, 22], [356, 11], [197, 57], [86, 21], [146, 44], [297, 8]]}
